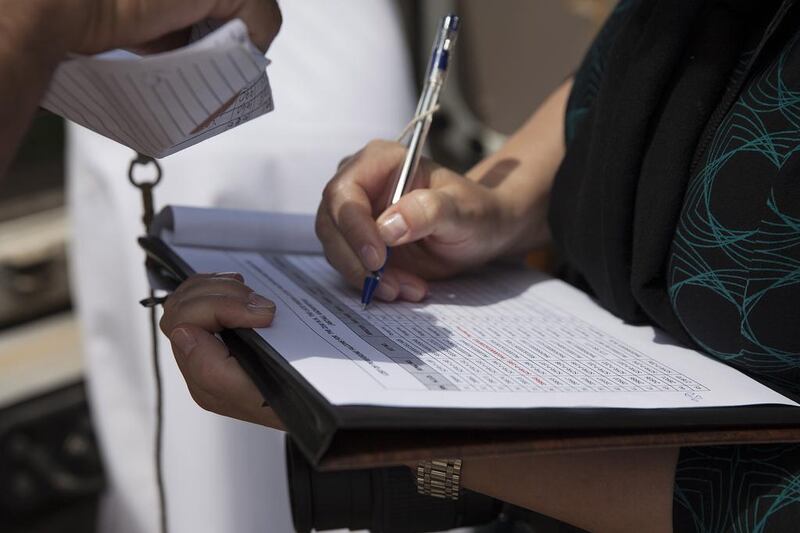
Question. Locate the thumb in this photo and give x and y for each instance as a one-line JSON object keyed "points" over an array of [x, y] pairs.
{"points": [[418, 214]]}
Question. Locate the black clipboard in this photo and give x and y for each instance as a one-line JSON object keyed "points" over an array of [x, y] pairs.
{"points": [[353, 436]]}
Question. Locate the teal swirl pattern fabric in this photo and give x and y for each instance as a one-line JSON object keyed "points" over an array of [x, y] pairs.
{"points": [[734, 273], [735, 259], [734, 280]]}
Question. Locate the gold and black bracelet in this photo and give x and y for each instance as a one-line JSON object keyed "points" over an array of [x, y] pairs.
{"points": [[440, 478]]}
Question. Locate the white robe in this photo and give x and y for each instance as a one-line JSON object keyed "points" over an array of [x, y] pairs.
{"points": [[340, 77]]}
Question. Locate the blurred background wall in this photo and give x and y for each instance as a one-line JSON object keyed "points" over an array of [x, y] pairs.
{"points": [[511, 54]]}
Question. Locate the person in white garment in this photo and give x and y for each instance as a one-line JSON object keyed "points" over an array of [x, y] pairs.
{"points": [[340, 76]]}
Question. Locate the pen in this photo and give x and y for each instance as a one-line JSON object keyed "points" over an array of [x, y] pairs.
{"points": [[428, 103]]}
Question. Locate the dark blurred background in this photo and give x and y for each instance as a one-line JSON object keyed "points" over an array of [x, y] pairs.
{"points": [[511, 54]]}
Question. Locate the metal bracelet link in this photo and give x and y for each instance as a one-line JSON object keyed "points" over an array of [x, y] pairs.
{"points": [[440, 478]]}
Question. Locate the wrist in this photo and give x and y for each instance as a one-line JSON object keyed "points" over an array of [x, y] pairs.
{"points": [[523, 222], [520, 191]]}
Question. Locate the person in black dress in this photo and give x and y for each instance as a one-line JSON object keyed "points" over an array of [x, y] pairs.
{"points": [[665, 175]]}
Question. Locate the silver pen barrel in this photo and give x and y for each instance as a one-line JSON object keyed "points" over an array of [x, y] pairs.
{"points": [[434, 80]]}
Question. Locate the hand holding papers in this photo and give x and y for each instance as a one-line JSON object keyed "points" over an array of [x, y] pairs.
{"points": [[161, 104]]}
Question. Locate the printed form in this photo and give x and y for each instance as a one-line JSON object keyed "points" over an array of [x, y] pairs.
{"points": [[499, 338]]}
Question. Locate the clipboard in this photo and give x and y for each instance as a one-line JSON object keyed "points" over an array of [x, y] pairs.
{"points": [[350, 436]]}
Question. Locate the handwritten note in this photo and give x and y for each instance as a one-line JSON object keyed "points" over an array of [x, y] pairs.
{"points": [[161, 104]]}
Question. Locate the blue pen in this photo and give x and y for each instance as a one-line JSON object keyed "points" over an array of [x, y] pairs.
{"points": [[428, 103]]}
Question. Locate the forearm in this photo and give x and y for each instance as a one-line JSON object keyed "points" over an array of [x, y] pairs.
{"points": [[619, 491], [29, 52], [521, 173]]}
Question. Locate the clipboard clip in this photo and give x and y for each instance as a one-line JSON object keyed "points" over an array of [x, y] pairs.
{"points": [[153, 301]]}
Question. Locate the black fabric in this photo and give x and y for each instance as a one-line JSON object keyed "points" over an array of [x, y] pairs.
{"points": [[619, 191], [714, 231], [734, 270], [737, 489]]}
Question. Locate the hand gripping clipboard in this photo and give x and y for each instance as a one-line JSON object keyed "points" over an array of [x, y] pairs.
{"points": [[351, 436]]}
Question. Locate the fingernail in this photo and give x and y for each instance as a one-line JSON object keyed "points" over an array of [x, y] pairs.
{"points": [[393, 228], [411, 292], [259, 304], [235, 275], [183, 341], [369, 256]]}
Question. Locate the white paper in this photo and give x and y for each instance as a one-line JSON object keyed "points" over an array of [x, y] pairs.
{"points": [[237, 229], [163, 103], [504, 338]]}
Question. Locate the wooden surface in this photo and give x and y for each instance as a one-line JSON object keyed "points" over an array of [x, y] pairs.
{"points": [[370, 449]]}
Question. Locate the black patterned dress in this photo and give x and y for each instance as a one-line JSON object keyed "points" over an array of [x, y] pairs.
{"points": [[733, 278]]}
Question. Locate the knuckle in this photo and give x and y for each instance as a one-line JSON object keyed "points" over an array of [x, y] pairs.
{"points": [[344, 162], [335, 189], [188, 283], [430, 205], [375, 145], [339, 188], [382, 145], [327, 191], [382, 148], [228, 304]]}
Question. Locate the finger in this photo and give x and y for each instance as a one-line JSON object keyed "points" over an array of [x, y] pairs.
{"points": [[216, 312], [374, 168], [209, 275], [201, 278], [262, 17], [344, 162], [362, 183], [343, 259], [170, 41], [337, 251], [215, 380], [349, 214], [411, 288], [232, 275], [225, 283], [417, 215], [213, 285]]}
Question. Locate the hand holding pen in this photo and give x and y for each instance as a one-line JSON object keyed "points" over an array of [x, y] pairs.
{"points": [[435, 77], [446, 224]]}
